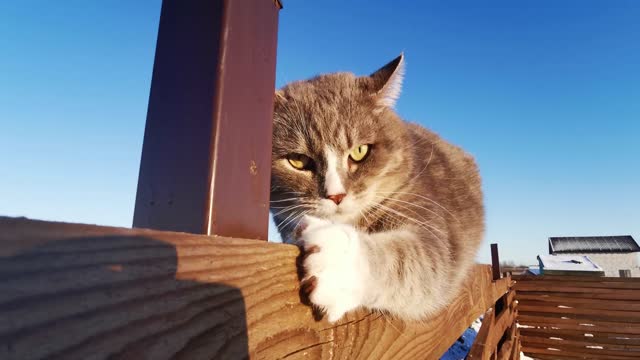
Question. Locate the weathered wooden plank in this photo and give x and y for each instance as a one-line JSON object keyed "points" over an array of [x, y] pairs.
{"points": [[621, 294], [574, 279], [630, 285], [585, 343], [577, 324], [89, 292], [578, 313], [559, 354], [506, 350], [567, 353], [584, 349], [495, 262], [207, 141], [492, 330], [515, 355], [578, 293], [582, 303], [479, 349], [578, 335]]}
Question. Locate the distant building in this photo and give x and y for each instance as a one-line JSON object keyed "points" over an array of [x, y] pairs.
{"points": [[616, 255], [573, 265]]}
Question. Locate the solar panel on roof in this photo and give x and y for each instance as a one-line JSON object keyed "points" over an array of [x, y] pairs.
{"points": [[605, 244]]}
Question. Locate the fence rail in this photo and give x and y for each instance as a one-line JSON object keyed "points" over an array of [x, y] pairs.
{"points": [[567, 317], [82, 291], [498, 337]]}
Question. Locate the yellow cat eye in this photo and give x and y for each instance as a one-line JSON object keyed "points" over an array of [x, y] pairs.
{"points": [[359, 152], [299, 162]]}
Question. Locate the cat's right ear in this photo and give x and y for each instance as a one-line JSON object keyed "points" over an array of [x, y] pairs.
{"points": [[387, 82]]}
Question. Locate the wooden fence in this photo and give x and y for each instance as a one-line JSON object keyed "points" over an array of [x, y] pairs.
{"points": [[498, 337], [567, 317], [70, 291]]}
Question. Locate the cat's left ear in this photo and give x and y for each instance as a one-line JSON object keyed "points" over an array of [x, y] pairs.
{"points": [[387, 82]]}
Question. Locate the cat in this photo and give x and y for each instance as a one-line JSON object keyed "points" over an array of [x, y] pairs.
{"points": [[389, 214]]}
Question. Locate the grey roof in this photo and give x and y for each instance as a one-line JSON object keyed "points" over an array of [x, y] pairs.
{"points": [[593, 244]]}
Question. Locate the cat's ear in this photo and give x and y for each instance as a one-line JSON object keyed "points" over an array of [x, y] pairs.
{"points": [[278, 97], [387, 82]]}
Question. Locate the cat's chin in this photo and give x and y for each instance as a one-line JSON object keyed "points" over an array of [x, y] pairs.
{"points": [[345, 213], [340, 217]]}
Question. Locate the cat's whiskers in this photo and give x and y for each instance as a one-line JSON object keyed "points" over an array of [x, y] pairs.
{"points": [[297, 217], [300, 202], [422, 197], [282, 200], [283, 223], [289, 208], [424, 221], [365, 217], [387, 217], [412, 204], [419, 223], [401, 206]]}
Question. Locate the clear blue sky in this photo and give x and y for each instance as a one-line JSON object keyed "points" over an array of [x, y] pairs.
{"points": [[545, 94]]}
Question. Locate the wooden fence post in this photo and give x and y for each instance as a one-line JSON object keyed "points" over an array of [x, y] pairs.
{"points": [[206, 157], [495, 262]]}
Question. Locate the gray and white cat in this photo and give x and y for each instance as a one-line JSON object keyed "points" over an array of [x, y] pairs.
{"points": [[390, 215]]}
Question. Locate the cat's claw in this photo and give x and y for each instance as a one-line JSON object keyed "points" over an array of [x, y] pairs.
{"points": [[336, 269]]}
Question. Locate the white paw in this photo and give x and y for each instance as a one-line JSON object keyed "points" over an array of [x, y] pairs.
{"points": [[336, 260]]}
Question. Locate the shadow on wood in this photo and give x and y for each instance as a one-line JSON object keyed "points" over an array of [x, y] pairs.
{"points": [[113, 297]]}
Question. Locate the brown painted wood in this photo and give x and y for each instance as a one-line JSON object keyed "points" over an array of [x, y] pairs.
{"points": [[584, 284], [553, 357], [611, 295], [576, 335], [578, 324], [580, 313], [582, 303], [551, 286], [540, 353], [584, 350], [495, 262], [207, 142], [585, 343], [71, 291], [610, 307], [579, 292], [580, 279]]}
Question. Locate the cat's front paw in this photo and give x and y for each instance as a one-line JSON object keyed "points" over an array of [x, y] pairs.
{"points": [[336, 270]]}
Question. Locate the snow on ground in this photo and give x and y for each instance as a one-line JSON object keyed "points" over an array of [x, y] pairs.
{"points": [[460, 349]]}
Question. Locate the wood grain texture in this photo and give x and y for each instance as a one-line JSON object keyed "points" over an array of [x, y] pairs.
{"points": [[579, 317], [576, 302], [600, 337], [583, 280], [559, 354], [508, 351], [71, 291]]}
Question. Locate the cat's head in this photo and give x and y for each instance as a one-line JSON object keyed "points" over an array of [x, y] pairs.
{"points": [[338, 146]]}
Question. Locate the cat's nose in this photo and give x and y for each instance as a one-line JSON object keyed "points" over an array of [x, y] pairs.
{"points": [[337, 198]]}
